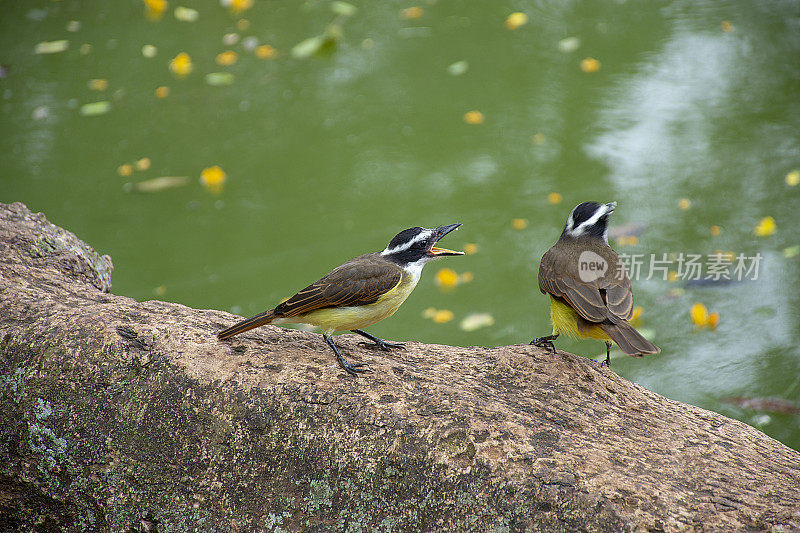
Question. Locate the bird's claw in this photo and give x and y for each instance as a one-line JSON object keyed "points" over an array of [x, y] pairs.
{"points": [[545, 342]]}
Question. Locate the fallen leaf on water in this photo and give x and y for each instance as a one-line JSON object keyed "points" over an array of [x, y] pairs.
{"points": [[475, 321], [516, 20], [765, 227], [228, 57], [186, 14], [181, 65], [237, 6], [446, 278], [458, 68], [143, 163], [702, 318], [590, 65], [791, 251], [213, 178], [98, 84], [627, 240], [157, 184], [554, 198], [95, 108], [470, 248], [569, 44], [154, 9], [265, 51], [149, 51], [219, 78], [343, 8], [473, 117], [411, 13], [519, 223], [51, 47], [443, 315]]}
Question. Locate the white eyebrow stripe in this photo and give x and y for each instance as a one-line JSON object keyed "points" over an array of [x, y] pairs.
{"points": [[405, 246], [587, 223]]}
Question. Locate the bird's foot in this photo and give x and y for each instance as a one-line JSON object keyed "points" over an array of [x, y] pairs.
{"points": [[352, 368], [545, 342], [381, 344]]}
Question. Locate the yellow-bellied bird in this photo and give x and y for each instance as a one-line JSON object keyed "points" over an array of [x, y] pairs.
{"points": [[358, 293], [590, 292]]}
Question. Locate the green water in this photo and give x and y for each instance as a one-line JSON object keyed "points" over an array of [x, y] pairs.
{"points": [[328, 157]]}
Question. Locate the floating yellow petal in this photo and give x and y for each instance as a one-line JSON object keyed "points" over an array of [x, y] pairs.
{"points": [[727, 26], [162, 92], [470, 248], [466, 277], [181, 65], [554, 198], [519, 223], [473, 117], [411, 13], [793, 178], [715, 230], [125, 170], [590, 65], [443, 315], [428, 313], [143, 163], [154, 9], [672, 276], [539, 138], [627, 240], [226, 58], [516, 20], [98, 84], [213, 178], [765, 227], [265, 51], [237, 6], [446, 278], [699, 314], [684, 204], [242, 24], [713, 320]]}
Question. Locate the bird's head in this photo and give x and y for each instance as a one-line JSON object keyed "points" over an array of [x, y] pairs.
{"points": [[416, 246], [589, 219]]}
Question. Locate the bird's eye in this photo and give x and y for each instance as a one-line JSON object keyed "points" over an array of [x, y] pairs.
{"points": [[421, 244]]}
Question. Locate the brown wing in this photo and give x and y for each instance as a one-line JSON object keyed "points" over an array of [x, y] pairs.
{"points": [[605, 299], [360, 281]]}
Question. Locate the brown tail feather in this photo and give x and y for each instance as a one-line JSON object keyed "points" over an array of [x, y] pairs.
{"points": [[629, 340], [245, 325]]}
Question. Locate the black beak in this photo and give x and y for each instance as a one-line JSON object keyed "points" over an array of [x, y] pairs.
{"points": [[441, 232]]}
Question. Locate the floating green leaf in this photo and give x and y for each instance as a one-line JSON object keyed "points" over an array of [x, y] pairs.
{"points": [[458, 68], [186, 14], [157, 184], [219, 78], [95, 108], [344, 9], [51, 47]]}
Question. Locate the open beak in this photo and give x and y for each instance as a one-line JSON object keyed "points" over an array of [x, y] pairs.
{"points": [[441, 232]]}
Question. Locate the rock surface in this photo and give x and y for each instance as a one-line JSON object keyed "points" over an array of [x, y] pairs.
{"points": [[117, 415]]}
